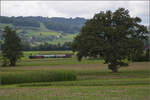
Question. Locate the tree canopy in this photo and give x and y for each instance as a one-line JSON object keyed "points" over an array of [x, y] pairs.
{"points": [[12, 47], [114, 36]]}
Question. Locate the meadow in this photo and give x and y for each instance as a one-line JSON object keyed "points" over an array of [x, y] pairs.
{"points": [[93, 80]]}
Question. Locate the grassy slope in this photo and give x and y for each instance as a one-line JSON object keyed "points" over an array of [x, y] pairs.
{"points": [[65, 38], [43, 32], [95, 81], [3, 25]]}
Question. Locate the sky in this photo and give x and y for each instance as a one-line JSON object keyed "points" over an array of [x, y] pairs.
{"points": [[73, 9]]}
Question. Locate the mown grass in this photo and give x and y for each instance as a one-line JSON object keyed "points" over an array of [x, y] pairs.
{"points": [[129, 92]]}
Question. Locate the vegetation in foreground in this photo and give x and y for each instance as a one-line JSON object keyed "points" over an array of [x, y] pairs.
{"points": [[11, 48], [36, 76], [114, 36], [94, 80], [119, 92]]}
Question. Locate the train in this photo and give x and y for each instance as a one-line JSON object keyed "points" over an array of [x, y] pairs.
{"points": [[51, 56]]}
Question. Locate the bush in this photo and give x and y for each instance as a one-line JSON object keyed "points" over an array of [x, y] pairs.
{"points": [[143, 57], [4, 61], [36, 76]]}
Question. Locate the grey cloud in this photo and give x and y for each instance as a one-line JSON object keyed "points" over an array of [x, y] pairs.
{"points": [[71, 8]]}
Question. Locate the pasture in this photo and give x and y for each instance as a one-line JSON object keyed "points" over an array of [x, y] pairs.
{"points": [[93, 80]]}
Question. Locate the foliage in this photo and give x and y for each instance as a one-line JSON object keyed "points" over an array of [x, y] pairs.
{"points": [[62, 27], [65, 25], [37, 76], [12, 47], [142, 57], [115, 36], [4, 61], [19, 21]]}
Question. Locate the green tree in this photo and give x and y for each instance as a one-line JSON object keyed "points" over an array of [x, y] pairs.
{"points": [[114, 36], [12, 47]]}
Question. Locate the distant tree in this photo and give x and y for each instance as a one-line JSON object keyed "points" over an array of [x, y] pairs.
{"points": [[12, 47], [114, 36]]}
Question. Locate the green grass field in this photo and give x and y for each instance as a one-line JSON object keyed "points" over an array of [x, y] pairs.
{"points": [[94, 80]]}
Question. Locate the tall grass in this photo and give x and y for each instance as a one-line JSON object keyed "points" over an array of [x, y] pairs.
{"points": [[37, 76]]}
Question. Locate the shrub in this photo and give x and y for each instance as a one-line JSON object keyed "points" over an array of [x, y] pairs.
{"points": [[142, 57], [36, 76]]}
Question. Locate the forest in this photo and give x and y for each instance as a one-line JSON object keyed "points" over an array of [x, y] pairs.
{"points": [[65, 25]]}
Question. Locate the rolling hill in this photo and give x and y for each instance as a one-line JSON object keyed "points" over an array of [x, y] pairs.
{"points": [[39, 30]]}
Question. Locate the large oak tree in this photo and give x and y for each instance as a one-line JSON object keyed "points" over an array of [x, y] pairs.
{"points": [[114, 36]]}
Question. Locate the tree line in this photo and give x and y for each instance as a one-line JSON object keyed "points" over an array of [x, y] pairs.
{"points": [[19, 21], [64, 25]]}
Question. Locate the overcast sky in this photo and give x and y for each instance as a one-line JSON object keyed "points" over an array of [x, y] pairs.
{"points": [[73, 9]]}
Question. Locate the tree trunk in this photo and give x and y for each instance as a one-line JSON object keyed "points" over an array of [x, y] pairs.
{"points": [[12, 63], [113, 67]]}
